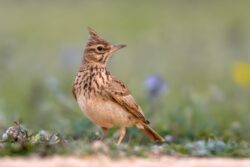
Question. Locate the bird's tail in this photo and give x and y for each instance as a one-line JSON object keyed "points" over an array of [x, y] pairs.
{"points": [[151, 133]]}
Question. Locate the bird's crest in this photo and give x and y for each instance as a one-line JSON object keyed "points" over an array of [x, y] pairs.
{"points": [[94, 36]]}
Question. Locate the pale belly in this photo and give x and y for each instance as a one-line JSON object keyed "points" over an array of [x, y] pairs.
{"points": [[105, 113]]}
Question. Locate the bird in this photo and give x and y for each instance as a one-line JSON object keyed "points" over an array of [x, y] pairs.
{"points": [[105, 100]]}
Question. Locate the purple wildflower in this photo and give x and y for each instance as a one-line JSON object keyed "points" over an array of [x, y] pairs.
{"points": [[155, 86]]}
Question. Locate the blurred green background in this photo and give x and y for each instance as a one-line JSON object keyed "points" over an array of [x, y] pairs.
{"points": [[200, 48]]}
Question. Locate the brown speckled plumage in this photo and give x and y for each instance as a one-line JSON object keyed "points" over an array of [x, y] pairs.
{"points": [[105, 100]]}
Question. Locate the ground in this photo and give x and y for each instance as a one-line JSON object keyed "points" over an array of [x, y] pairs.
{"points": [[100, 161]]}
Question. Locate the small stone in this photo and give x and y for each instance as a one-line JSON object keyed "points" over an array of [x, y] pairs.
{"points": [[100, 146], [16, 133], [5, 137], [54, 139]]}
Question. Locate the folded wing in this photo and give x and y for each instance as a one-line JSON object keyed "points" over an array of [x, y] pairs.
{"points": [[121, 95]]}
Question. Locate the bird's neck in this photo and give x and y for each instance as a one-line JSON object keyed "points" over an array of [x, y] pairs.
{"points": [[92, 66]]}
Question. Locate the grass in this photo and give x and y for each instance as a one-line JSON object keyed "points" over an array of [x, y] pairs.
{"points": [[198, 48], [19, 141]]}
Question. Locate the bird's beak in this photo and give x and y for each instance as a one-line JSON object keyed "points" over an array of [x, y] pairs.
{"points": [[117, 47]]}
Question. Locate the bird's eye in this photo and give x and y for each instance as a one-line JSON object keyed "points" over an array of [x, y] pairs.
{"points": [[99, 48]]}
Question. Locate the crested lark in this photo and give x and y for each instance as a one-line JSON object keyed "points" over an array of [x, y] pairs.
{"points": [[105, 100]]}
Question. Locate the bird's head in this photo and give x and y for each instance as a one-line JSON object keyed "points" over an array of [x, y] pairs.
{"points": [[98, 50]]}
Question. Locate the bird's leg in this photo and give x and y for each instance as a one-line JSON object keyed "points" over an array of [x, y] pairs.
{"points": [[122, 134], [104, 132]]}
